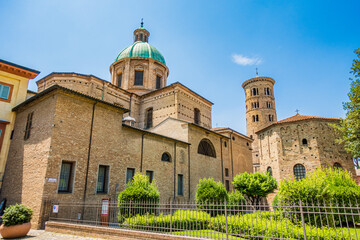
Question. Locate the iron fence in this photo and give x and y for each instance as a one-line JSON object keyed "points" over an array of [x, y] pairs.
{"points": [[303, 220]]}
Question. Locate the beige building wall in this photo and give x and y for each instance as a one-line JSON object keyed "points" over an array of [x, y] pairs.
{"points": [[281, 147]]}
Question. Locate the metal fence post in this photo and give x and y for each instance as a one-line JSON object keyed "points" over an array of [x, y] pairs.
{"points": [[129, 212], [171, 216], [226, 222], [302, 220]]}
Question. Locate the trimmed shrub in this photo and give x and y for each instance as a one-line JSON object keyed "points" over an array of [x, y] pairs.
{"points": [[270, 225], [325, 187], [16, 214], [236, 204], [142, 195], [181, 220], [255, 185], [210, 193]]}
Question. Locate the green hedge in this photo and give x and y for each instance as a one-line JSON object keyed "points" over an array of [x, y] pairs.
{"points": [[181, 220], [270, 225]]}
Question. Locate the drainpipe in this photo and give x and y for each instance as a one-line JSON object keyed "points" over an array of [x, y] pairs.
{"points": [[189, 170], [232, 161], [222, 161], [130, 103], [88, 158], [174, 170], [142, 152]]}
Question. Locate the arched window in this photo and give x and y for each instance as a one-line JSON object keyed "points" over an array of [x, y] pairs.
{"points": [[145, 38], [304, 142], [141, 36], [119, 79], [165, 157], [196, 116], [206, 148], [139, 78], [337, 165], [299, 171], [267, 91], [149, 118], [254, 91], [158, 82], [137, 37], [269, 170]]}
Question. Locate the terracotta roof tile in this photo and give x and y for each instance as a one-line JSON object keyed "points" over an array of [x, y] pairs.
{"points": [[298, 117]]}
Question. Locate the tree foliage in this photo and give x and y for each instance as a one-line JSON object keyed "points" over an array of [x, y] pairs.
{"points": [[349, 128], [255, 185], [210, 191]]}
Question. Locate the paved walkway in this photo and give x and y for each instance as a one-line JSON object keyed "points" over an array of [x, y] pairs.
{"points": [[42, 235]]}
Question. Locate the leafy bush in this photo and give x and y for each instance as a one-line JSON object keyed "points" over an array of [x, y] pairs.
{"points": [[142, 195], [270, 225], [210, 193], [180, 220], [236, 204], [332, 187], [255, 185], [16, 214]]}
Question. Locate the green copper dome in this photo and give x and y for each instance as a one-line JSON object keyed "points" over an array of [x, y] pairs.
{"points": [[141, 49]]}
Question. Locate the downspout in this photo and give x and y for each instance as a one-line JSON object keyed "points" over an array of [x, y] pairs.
{"points": [[232, 161], [189, 170], [88, 158], [130, 103], [222, 161], [174, 170], [142, 152]]}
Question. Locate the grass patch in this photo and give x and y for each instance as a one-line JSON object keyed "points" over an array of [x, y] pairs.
{"points": [[205, 234]]}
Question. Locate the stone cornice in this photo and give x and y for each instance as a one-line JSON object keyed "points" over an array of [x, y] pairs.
{"points": [[256, 79], [17, 69]]}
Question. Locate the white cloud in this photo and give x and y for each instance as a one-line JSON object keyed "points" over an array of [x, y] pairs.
{"points": [[246, 61]]}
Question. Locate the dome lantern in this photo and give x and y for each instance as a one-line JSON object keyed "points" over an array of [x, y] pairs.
{"points": [[141, 34]]}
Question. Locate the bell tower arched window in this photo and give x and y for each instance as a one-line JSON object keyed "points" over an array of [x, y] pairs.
{"points": [[206, 148], [196, 116], [299, 171]]}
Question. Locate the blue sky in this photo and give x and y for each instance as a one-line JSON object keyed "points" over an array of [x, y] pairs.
{"points": [[306, 46]]}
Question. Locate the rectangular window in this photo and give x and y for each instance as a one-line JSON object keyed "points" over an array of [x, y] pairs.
{"points": [[180, 185], [150, 175], [139, 77], [119, 79], [66, 177], [28, 126], [103, 179], [226, 172], [130, 172], [158, 82], [227, 185], [149, 118], [4, 91]]}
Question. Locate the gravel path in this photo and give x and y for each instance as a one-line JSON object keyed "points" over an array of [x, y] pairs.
{"points": [[42, 235]]}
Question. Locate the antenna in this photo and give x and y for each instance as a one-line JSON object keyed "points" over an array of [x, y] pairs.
{"points": [[142, 22]]}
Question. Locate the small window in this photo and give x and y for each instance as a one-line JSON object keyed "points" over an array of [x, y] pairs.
{"points": [[141, 36], [225, 144], [206, 148], [165, 157], [180, 185], [268, 104], [130, 173], [145, 37], [338, 165], [66, 177], [255, 105], [255, 118], [137, 37], [150, 175], [233, 138], [28, 126], [269, 170], [299, 171], [139, 78], [196, 116], [267, 91], [103, 179], [254, 91], [5, 92], [304, 142], [227, 185], [271, 118], [158, 82], [119, 79], [226, 172], [149, 118]]}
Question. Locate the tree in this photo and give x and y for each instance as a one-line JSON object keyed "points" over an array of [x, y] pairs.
{"points": [[255, 185], [349, 128], [209, 191]]}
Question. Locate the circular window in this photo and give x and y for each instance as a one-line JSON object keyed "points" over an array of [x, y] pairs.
{"points": [[299, 171], [269, 170], [166, 157]]}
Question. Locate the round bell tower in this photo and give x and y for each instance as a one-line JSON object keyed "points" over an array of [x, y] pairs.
{"points": [[260, 109]]}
